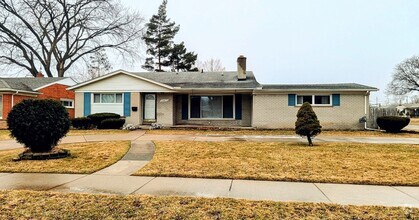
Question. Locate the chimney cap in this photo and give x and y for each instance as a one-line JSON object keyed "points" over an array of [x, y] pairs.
{"points": [[39, 74]]}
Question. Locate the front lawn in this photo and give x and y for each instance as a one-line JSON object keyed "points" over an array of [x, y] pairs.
{"points": [[403, 134], [48, 205], [383, 164], [85, 158], [5, 134]]}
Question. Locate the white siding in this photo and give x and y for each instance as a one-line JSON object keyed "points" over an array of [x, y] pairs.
{"points": [[117, 108], [122, 83]]}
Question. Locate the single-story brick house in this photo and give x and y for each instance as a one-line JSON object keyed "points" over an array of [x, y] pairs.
{"points": [[14, 90], [233, 99]]}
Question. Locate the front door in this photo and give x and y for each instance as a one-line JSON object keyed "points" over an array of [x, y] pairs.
{"points": [[149, 107]]}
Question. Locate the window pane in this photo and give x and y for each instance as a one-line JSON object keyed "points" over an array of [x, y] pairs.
{"points": [[195, 106], [322, 99], [211, 107], [304, 98], [228, 106], [96, 98], [108, 98], [118, 98]]}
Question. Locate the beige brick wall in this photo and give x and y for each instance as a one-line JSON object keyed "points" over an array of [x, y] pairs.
{"points": [[79, 104], [272, 111], [165, 109], [135, 116]]}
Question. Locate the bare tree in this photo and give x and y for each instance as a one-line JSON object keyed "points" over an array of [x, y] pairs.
{"points": [[405, 77], [57, 34], [211, 65], [97, 65]]}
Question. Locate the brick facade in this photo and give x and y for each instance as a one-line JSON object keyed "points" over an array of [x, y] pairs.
{"points": [[7, 102], [55, 92], [272, 111], [58, 92]]}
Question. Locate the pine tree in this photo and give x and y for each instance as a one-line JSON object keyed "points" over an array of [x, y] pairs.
{"points": [[307, 123], [161, 48], [182, 60], [159, 40]]}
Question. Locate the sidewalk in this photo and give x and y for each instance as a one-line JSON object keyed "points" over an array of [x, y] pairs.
{"points": [[343, 194], [116, 179]]}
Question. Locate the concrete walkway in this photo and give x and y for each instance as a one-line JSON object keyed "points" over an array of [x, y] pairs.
{"points": [[344, 194], [116, 179]]}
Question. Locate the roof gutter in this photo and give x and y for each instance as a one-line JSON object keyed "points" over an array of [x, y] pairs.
{"points": [[19, 91]]}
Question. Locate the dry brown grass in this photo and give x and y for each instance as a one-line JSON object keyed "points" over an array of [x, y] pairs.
{"points": [[414, 121], [382, 164], [95, 132], [49, 205], [5, 134], [85, 158], [404, 134]]}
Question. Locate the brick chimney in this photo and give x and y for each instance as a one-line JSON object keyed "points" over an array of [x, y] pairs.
{"points": [[39, 75], [241, 67]]}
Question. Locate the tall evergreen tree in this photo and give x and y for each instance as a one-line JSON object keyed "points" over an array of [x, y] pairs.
{"points": [[159, 40], [164, 54], [307, 123], [182, 60]]}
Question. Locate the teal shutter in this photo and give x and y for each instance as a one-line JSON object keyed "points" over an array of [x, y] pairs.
{"points": [[127, 104], [291, 99], [336, 99], [87, 103], [238, 107], [184, 107]]}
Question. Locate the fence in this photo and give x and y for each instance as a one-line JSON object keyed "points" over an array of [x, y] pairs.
{"points": [[376, 112]]}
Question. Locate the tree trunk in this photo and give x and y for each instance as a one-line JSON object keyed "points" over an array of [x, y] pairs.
{"points": [[310, 143]]}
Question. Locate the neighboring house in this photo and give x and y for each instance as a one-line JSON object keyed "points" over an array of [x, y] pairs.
{"points": [[14, 90], [233, 99], [409, 109]]}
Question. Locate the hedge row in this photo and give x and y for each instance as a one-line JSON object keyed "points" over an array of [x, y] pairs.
{"points": [[99, 121]]}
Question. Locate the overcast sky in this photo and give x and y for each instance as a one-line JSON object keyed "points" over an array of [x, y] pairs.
{"points": [[323, 41]]}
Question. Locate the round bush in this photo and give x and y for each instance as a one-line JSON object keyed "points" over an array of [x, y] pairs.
{"points": [[112, 123], [97, 118], [38, 124], [392, 124], [81, 123]]}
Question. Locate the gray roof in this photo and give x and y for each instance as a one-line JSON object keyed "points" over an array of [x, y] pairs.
{"points": [[338, 86], [27, 83], [206, 80]]}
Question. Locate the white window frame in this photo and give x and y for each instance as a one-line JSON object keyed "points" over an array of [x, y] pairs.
{"points": [[68, 100], [107, 93], [313, 100], [222, 107]]}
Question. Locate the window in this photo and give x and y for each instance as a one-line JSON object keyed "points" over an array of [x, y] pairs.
{"points": [[211, 106], [68, 103], [304, 98], [322, 100], [318, 100], [107, 98]]}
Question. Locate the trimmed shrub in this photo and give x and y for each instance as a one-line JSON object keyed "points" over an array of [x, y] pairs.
{"points": [[112, 123], [392, 124], [38, 124], [81, 123], [97, 118], [307, 123]]}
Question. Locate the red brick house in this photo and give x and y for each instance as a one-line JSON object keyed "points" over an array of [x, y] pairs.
{"points": [[14, 90]]}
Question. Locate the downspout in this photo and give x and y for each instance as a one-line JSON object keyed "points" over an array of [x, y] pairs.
{"points": [[365, 112], [13, 98]]}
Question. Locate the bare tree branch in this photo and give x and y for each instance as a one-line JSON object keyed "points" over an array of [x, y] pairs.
{"points": [[211, 65], [405, 77], [57, 34]]}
